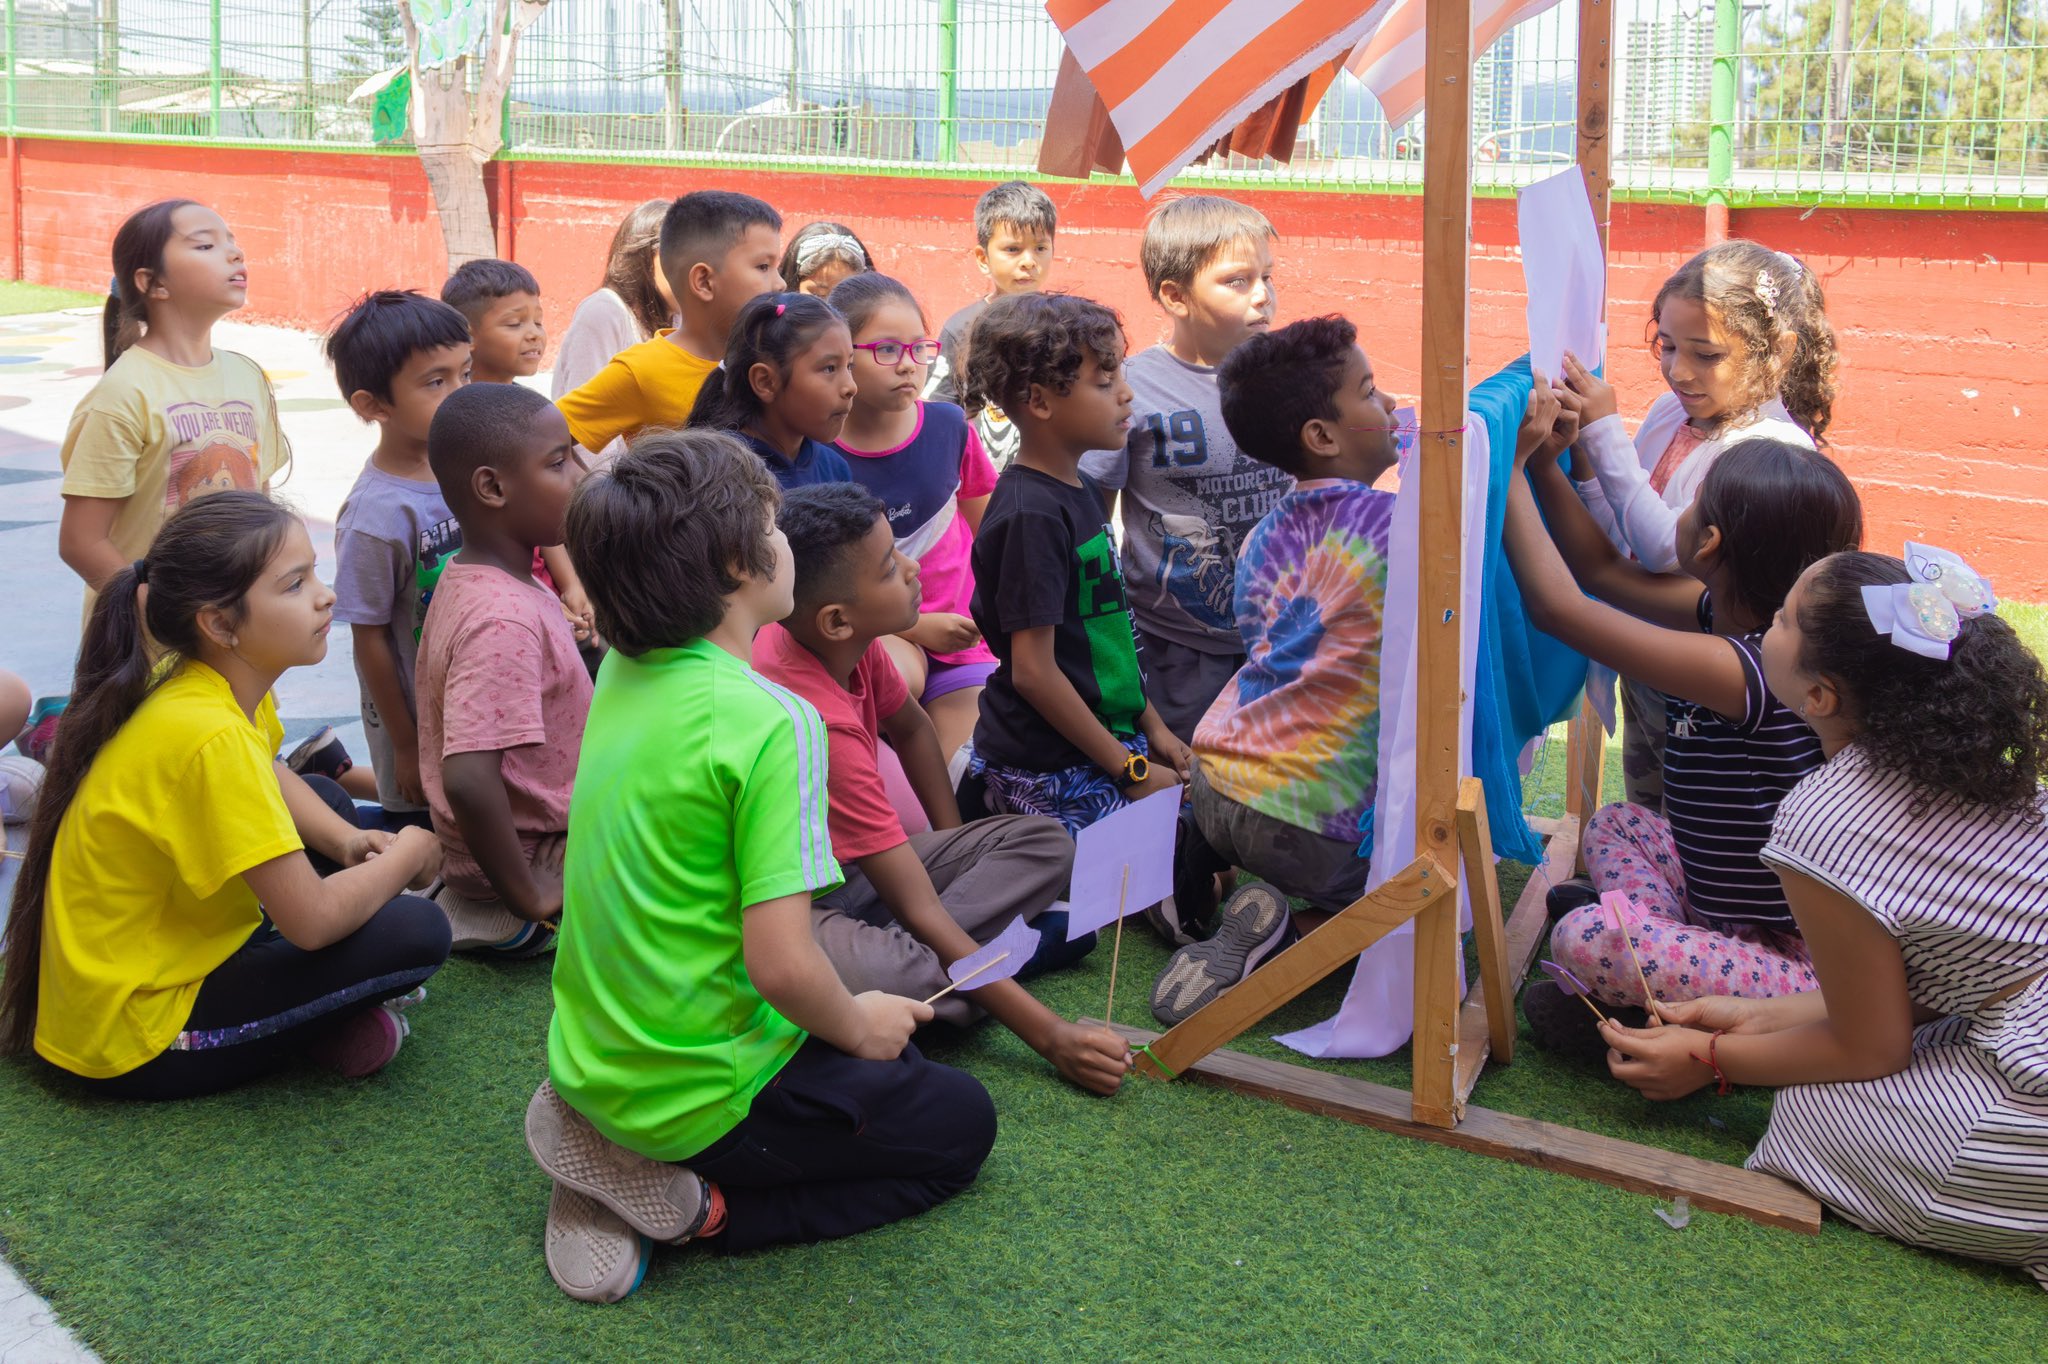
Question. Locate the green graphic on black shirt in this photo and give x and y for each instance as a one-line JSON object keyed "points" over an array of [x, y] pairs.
{"points": [[1105, 615]]}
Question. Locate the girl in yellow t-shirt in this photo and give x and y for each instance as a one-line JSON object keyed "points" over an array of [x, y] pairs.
{"points": [[191, 913], [172, 419]]}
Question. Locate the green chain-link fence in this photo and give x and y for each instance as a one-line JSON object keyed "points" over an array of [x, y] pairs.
{"points": [[1885, 101]]}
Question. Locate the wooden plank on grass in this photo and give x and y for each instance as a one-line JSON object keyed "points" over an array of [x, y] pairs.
{"points": [[1546, 1146], [1338, 941]]}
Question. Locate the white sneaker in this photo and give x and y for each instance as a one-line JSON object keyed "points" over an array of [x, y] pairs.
{"points": [[21, 781]]}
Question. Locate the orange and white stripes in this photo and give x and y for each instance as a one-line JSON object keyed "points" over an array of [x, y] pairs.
{"points": [[1390, 60]]}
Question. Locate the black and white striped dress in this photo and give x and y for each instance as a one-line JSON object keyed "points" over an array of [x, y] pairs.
{"points": [[1951, 1153]]}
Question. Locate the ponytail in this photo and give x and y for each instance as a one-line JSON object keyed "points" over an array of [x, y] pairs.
{"points": [[138, 248], [208, 554], [773, 329]]}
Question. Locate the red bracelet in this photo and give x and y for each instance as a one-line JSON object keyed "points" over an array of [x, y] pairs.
{"points": [[1711, 1063]]}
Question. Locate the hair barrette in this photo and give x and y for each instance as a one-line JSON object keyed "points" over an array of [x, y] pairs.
{"points": [[812, 252], [1767, 290], [1926, 615], [779, 308]]}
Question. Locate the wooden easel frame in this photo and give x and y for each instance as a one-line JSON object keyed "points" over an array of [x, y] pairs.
{"points": [[1454, 1038]]}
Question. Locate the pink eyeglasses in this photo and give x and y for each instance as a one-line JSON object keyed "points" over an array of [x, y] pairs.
{"points": [[889, 350]]}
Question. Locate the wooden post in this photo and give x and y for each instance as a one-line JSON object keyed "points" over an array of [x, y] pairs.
{"points": [[1440, 465]]}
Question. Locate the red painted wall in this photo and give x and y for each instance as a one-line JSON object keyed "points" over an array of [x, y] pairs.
{"points": [[1943, 317]]}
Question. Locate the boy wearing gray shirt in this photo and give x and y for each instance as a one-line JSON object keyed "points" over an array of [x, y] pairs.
{"points": [[1190, 496]]}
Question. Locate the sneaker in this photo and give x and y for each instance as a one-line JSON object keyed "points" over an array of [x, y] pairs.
{"points": [[592, 1255], [665, 1202], [21, 781], [1190, 916], [487, 926], [1255, 924], [364, 1044], [1054, 951], [35, 740], [1562, 1025], [1566, 896], [322, 755]]}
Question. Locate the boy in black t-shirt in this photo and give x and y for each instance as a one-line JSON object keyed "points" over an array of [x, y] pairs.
{"points": [[1065, 729]]}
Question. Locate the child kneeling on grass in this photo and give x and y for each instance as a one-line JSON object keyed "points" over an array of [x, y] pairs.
{"points": [[191, 913], [911, 905], [710, 1077], [502, 690]]}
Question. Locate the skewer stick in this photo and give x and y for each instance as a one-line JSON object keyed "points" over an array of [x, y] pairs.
{"points": [[1649, 1000], [1117, 947], [985, 966], [9, 852]]}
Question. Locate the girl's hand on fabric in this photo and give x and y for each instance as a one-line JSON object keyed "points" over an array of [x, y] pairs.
{"points": [[1718, 1013], [1596, 392], [887, 1021], [1094, 1059], [1563, 431], [1658, 1062], [943, 632], [364, 845], [1538, 417]]}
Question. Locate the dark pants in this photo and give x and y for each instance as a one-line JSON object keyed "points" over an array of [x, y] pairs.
{"points": [[1182, 683], [268, 1002], [835, 1146]]}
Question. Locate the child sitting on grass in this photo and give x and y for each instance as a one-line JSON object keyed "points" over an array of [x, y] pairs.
{"points": [[785, 387], [718, 250], [911, 905], [1014, 224], [192, 914], [710, 1077], [396, 356], [1065, 727], [502, 691], [1191, 493], [1287, 759]]}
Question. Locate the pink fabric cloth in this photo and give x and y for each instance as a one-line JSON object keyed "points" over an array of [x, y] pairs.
{"points": [[498, 672], [1684, 441]]}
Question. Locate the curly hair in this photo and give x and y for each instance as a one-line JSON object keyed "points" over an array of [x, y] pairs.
{"points": [[1969, 728], [1761, 297], [1026, 339]]}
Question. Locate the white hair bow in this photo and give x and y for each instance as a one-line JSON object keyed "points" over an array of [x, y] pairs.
{"points": [[1925, 616], [812, 252]]}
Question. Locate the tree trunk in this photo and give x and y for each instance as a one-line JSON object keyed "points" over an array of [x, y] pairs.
{"points": [[465, 211]]}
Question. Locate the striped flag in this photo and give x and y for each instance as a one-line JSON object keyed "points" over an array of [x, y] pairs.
{"points": [[1178, 75]]}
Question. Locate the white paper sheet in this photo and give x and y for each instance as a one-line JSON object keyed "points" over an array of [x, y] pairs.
{"points": [[1565, 272]]}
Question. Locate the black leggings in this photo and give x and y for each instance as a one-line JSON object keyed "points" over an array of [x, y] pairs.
{"points": [[267, 1003]]}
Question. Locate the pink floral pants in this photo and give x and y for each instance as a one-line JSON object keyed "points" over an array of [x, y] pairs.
{"points": [[1629, 849]]}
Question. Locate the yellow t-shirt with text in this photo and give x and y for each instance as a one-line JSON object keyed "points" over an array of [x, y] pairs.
{"points": [[145, 894], [652, 384]]}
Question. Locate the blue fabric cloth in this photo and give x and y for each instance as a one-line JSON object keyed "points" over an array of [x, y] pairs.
{"points": [[1525, 681]]}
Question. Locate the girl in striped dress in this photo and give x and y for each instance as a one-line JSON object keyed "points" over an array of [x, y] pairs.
{"points": [[1914, 1084], [1707, 916]]}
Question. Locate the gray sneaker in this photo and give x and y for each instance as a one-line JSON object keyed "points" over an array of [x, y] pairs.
{"points": [[1255, 923], [664, 1202], [592, 1254]]}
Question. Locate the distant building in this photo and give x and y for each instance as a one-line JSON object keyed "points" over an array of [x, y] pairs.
{"points": [[1497, 87], [45, 30], [1667, 78]]}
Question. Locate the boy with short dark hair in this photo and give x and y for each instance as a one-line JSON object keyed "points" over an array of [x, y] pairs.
{"points": [[718, 250], [1190, 493], [1014, 225], [1287, 760], [501, 300], [396, 356], [1066, 729], [502, 691], [912, 904], [704, 1058]]}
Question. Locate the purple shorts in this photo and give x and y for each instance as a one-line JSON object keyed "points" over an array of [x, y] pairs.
{"points": [[952, 677]]}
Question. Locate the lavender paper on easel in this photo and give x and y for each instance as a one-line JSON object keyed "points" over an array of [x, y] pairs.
{"points": [[1019, 940], [1564, 271], [1139, 836]]}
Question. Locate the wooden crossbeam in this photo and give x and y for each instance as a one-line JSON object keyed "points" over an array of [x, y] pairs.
{"points": [[1526, 929], [1546, 1146], [1495, 987], [1335, 943]]}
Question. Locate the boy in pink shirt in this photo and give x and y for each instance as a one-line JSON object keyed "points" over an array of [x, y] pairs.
{"points": [[503, 693]]}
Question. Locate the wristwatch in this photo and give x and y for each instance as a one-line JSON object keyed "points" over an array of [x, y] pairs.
{"points": [[1137, 767]]}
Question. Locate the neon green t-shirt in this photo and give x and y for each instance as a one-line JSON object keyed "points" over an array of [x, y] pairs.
{"points": [[700, 791]]}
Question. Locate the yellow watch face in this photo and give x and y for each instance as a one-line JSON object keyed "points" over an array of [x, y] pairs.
{"points": [[1137, 768]]}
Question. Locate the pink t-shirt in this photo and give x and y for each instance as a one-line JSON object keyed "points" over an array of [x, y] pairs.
{"points": [[861, 819], [922, 483], [499, 672], [1684, 441]]}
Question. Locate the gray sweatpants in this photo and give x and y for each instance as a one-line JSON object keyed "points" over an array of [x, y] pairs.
{"points": [[986, 873]]}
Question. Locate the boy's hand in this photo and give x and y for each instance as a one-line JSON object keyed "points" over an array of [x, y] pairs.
{"points": [[943, 632], [1095, 1059], [1597, 393], [545, 905], [1168, 750], [582, 619], [410, 787], [887, 1021], [1538, 418], [1159, 777]]}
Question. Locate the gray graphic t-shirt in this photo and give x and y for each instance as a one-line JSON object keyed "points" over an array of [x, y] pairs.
{"points": [[1189, 499]]}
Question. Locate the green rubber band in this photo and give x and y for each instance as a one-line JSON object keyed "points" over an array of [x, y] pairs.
{"points": [[1171, 1073]]}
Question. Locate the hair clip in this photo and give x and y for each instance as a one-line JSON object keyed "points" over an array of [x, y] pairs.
{"points": [[1926, 615], [812, 252], [1767, 290], [779, 307]]}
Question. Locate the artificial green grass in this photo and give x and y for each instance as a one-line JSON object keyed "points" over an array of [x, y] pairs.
{"points": [[310, 1217], [19, 296]]}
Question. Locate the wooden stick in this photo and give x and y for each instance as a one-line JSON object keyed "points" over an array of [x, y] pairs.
{"points": [[1117, 946], [985, 966], [9, 852], [1649, 1000]]}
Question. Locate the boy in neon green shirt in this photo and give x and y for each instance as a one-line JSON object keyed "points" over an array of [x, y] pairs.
{"points": [[710, 1077]]}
